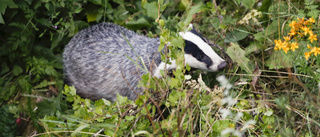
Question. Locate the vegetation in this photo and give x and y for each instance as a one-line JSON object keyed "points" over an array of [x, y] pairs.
{"points": [[271, 87]]}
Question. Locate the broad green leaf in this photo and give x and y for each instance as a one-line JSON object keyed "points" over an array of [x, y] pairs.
{"points": [[7, 3], [174, 82], [43, 84], [137, 24], [4, 68], [260, 36], [238, 55], [87, 102], [194, 9], [220, 125], [248, 3], [72, 90], [178, 42], [254, 46], [17, 70], [91, 17], [235, 36], [98, 110], [106, 102], [1, 19], [183, 4], [151, 9], [79, 129], [278, 60], [265, 5], [129, 118], [173, 97], [314, 13], [121, 99], [98, 2]]}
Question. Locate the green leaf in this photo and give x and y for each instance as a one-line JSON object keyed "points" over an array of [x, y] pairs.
{"points": [[4, 68], [174, 82], [151, 9], [278, 60], [7, 3], [260, 36], [178, 42], [313, 13], [106, 102], [255, 47], [248, 3], [138, 24], [72, 90], [91, 17], [1, 19], [129, 118], [79, 129], [121, 99], [238, 55], [235, 36], [87, 102], [220, 125], [44, 83], [97, 2], [98, 110], [195, 9], [17, 70], [173, 97], [265, 5]]}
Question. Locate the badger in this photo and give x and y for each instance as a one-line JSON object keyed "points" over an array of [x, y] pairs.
{"points": [[103, 60]]}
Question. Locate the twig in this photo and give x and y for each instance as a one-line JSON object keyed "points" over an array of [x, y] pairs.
{"points": [[98, 132]]}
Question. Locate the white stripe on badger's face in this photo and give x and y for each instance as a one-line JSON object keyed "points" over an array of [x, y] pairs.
{"points": [[205, 48]]}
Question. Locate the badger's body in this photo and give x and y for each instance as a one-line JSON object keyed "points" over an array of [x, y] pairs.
{"points": [[99, 61]]}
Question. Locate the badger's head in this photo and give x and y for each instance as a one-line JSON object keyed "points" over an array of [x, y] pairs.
{"points": [[198, 54]]}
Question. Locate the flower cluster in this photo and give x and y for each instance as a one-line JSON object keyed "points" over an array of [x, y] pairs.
{"points": [[300, 29]]}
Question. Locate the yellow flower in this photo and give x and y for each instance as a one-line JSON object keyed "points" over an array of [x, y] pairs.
{"points": [[308, 46], [294, 46], [287, 38], [315, 51], [300, 34], [285, 47], [278, 44], [311, 20], [292, 32], [310, 33], [300, 21], [313, 37], [306, 30], [318, 51], [307, 55], [293, 24]]}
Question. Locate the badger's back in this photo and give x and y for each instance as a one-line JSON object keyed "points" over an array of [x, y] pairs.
{"points": [[97, 61]]}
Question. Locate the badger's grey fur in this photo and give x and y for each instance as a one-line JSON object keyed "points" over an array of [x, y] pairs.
{"points": [[99, 60]]}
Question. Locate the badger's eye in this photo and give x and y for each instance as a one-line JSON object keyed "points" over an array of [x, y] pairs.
{"points": [[199, 56]]}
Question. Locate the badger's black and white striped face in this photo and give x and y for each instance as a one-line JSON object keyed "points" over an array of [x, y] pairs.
{"points": [[198, 53]]}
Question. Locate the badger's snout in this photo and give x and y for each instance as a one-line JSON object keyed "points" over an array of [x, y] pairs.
{"points": [[222, 65]]}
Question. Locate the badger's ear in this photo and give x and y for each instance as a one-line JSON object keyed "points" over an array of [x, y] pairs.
{"points": [[191, 26]]}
